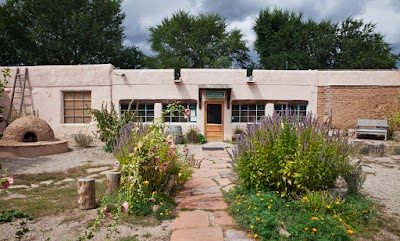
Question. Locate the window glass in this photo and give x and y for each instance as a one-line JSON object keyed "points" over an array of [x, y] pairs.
{"points": [[77, 105], [247, 112]]}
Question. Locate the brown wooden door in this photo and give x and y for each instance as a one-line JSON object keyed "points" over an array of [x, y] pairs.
{"points": [[214, 121]]}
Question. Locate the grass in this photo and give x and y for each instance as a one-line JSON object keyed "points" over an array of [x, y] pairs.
{"points": [[49, 200]]}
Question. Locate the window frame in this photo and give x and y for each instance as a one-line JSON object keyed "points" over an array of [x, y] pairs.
{"points": [[146, 118], [296, 110], [259, 113], [86, 115], [181, 118]]}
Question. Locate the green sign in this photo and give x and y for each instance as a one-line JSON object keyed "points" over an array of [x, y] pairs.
{"points": [[215, 94]]}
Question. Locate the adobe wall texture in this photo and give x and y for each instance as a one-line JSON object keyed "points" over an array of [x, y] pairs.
{"points": [[347, 103]]}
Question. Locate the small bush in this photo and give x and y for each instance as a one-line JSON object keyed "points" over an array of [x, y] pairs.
{"points": [[83, 140], [201, 139], [290, 156]]}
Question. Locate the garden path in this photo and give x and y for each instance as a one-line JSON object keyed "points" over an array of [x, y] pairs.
{"points": [[202, 211]]}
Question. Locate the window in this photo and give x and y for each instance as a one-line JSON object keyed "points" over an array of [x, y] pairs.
{"points": [[297, 110], [145, 112], [247, 112], [77, 106], [179, 116]]}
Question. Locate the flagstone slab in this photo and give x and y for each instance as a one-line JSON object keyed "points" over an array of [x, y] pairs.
{"points": [[198, 234], [191, 219], [206, 172], [222, 182], [213, 201], [205, 190], [200, 182], [223, 218], [236, 235]]}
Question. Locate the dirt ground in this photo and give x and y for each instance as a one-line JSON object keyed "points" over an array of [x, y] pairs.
{"points": [[382, 185]]}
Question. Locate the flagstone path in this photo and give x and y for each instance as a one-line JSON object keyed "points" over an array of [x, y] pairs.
{"points": [[202, 211]]}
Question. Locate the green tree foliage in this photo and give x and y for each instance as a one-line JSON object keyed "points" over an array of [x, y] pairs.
{"points": [[286, 40], [202, 41], [62, 32], [361, 47]]}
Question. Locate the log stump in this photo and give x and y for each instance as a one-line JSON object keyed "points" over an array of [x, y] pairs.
{"points": [[113, 181], [86, 193]]}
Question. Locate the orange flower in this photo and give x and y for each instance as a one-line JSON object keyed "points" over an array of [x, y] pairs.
{"points": [[314, 218], [349, 231], [305, 198], [314, 230], [306, 228]]}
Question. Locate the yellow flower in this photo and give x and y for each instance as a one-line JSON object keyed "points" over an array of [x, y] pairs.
{"points": [[314, 218], [161, 214], [258, 194], [337, 202], [314, 230], [365, 211], [350, 231], [327, 206], [340, 220], [238, 203], [287, 205], [255, 235], [245, 201], [306, 228], [146, 182], [271, 200], [251, 226], [255, 208], [305, 198], [243, 195], [333, 234], [322, 219], [262, 199], [153, 193], [257, 218], [249, 207], [269, 207]]}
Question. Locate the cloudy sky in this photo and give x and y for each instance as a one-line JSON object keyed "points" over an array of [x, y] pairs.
{"points": [[241, 14]]}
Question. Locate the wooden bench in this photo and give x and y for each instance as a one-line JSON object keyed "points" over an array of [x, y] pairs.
{"points": [[372, 127]]}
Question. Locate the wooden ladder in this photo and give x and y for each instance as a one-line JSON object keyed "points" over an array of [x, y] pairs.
{"points": [[20, 100]]}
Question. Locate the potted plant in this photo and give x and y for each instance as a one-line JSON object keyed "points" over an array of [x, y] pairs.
{"points": [[237, 132]]}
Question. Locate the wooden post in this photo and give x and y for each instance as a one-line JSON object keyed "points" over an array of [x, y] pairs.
{"points": [[87, 193], [113, 180]]}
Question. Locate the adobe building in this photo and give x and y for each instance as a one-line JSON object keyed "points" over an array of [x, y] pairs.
{"points": [[219, 99]]}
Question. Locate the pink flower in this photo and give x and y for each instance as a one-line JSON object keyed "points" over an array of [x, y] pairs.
{"points": [[7, 91], [10, 180], [106, 209], [116, 164], [5, 184], [170, 142], [187, 112], [131, 179], [164, 165], [125, 206], [107, 215], [170, 153], [155, 168], [151, 154]]}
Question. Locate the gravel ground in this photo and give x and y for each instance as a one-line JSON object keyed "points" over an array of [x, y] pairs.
{"points": [[382, 185]]}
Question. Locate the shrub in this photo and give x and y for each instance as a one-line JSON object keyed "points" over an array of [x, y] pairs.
{"points": [[109, 124], [201, 139], [83, 140], [284, 154]]}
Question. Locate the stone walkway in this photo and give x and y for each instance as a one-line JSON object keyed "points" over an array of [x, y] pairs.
{"points": [[202, 211]]}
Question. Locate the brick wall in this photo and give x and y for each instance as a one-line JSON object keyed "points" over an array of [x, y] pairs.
{"points": [[347, 103]]}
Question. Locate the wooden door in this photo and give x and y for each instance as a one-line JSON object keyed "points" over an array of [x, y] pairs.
{"points": [[214, 121]]}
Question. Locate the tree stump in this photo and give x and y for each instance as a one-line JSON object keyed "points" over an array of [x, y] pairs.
{"points": [[113, 180], [87, 193]]}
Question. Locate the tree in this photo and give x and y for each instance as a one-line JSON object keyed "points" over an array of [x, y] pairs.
{"points": [[285, 40], [130, 58], [61, 32], [188, 41], [361, 47]]}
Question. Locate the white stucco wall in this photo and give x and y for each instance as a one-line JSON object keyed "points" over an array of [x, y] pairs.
{"points": [[109, 84]]}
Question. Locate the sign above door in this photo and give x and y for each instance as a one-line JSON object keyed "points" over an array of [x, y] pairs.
{"points": [[215, 94]]}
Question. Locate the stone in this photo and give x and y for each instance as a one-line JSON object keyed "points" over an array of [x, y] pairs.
{"points": [[214, 201], [46, 182], [191, 219], [236, 235], [205, 190], [223, 218], [200, 183], [18, 186], [205, 172], [222, 182], [283, 232], [198, 234]]}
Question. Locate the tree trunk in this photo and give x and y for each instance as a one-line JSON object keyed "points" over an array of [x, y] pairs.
{"points": [[87, 193], [113, 180]]}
